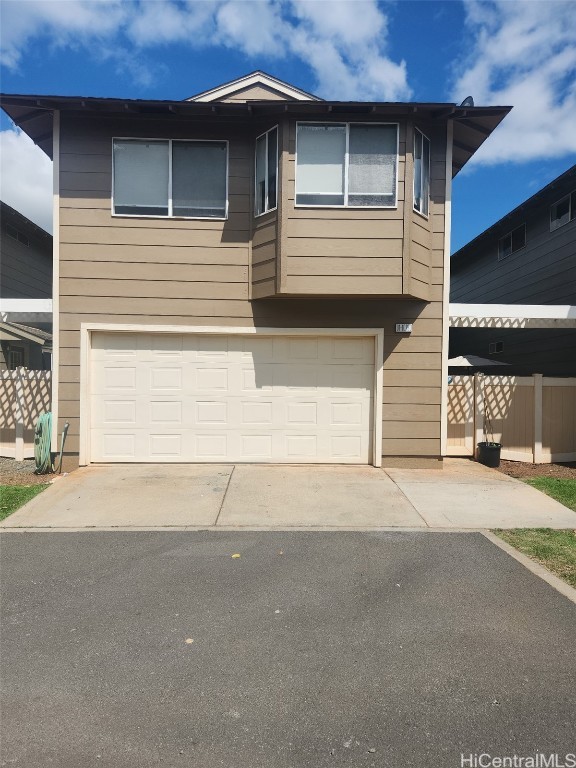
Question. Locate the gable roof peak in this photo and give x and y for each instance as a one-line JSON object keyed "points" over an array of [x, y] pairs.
{"points": [[252, 80]]}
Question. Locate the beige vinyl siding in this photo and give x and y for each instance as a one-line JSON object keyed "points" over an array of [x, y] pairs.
{"points": [[256, 93], [340, 251], [264, 255], [194, 273]]}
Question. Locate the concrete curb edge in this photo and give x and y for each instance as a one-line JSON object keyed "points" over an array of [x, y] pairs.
{"points": [[538, 570]]}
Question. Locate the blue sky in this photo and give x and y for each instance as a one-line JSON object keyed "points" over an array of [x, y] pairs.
{"points": [[499, 51]]}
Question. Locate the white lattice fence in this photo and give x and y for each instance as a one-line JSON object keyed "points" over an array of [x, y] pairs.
{"points": [[24, 395], [533, 417]]}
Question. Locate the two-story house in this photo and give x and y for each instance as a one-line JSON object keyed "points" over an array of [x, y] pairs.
{"points": [[252, 274], [527, 257], [25, 273]]}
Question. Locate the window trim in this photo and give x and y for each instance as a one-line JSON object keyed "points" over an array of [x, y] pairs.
{"points": [[18, 350], [493, 347], [170, 216], [509, 234], [571, 211], [19, 236], [417, 210], [275, 208], [346, 165]]}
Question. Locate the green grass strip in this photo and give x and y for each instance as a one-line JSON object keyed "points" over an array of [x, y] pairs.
{"points": [[563, 490], [14, 496], [555, 550]]}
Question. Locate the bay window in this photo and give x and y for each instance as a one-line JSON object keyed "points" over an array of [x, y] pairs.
{"points": [[346, 164], [266, 172], [166, 177], [421, 172]]}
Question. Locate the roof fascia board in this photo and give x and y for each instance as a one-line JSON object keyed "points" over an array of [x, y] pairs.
{"points": [[13, 333]]}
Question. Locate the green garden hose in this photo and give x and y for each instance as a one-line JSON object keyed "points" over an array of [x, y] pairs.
{"points": [[42, 444]]}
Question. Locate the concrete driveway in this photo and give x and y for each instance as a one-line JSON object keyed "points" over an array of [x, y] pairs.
{"points": [[464, 495], [310, 650]]}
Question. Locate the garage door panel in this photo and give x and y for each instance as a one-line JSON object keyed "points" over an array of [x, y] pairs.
{"points": [[169, 397]]}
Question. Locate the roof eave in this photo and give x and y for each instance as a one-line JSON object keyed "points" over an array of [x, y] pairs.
{"points": [[473, 125]]}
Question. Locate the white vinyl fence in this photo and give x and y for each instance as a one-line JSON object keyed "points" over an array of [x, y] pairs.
{"points": [[533, 417], [24, 395]]}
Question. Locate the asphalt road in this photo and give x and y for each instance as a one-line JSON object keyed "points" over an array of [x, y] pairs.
{"points": [[129, 650]]}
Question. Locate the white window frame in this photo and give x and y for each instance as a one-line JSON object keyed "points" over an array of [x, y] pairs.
{"points": [[346, 165], [509, 234], [274, 208], [414, 207], [170, 215], [571, 211]]}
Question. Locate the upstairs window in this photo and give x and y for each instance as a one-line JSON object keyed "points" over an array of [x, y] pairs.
{"points": [[563, 211], [421, 173], [266, 172], [166, 177], [512, 242], [346, 165]]}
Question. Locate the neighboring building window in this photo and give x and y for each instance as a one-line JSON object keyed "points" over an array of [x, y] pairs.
{"points": [[171, 178], [512, 242], [266, 172], [17, 235], [563, 211], [15, 358], [495, 347], [346, 164], [421, 173]]}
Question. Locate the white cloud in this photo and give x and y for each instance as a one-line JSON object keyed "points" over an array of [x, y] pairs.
{"points": [[64, 22], [343, 42], [524, 55], [26, 174]]}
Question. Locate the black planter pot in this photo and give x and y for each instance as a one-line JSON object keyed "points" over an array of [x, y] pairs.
{"points": [[489, 454]]}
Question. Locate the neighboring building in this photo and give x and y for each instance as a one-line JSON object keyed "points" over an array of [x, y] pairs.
{"points": [[25, 273], [232, 268], [528, 257]]}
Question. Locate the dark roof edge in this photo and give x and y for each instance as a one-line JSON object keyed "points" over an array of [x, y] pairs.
{"points": [[536, 197], [52, 102], [7, 210], [34, 114]]}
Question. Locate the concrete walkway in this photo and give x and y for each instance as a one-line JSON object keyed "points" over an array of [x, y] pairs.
{"points": [[464, 495]]}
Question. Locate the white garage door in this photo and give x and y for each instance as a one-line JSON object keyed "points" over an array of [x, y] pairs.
{"points": [[204, 398]]}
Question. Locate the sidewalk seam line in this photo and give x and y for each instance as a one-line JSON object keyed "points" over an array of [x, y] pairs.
{"points": [[408, 500], [215, 523]]}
